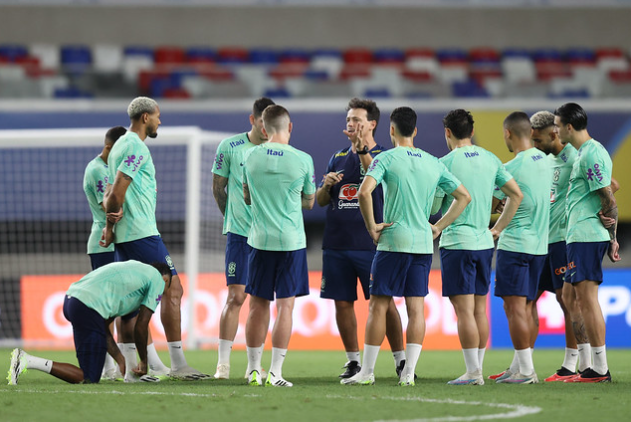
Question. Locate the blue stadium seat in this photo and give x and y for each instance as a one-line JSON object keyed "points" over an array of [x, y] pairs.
{"points": [[279, 92], [469, 89], [201, 55], [13, 52], [139, 50], [71, 92], [264, 56]]}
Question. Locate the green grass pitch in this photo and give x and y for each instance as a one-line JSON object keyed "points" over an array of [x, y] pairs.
{"points": [[318, 396]]}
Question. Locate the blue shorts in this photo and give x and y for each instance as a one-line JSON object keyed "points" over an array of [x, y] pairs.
{"points": [[146, 250], [554, 268], [400, 274], [100, 259], [466, 272], [340, 271], [517, 274], [283, 273], [90, 340], [585, 261], [237, 253]]}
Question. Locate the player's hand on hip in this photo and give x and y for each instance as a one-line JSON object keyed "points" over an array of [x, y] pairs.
{"points": [[435, 231], [606, 221], [495, 233], [612, 252], [377, 231]]}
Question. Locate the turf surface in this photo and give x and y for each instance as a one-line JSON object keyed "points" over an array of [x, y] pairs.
{"points": [[318, 396]]}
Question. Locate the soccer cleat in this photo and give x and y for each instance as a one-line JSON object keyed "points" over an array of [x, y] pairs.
{"points": [[498, 376], [274, 381], [474, 378], [359, 379], [399, 369], [352, 368], [222, 372], [518, 378], [254, 378], [18, 366], [561, 375], [112, 374], [407, 381], [188, 374], [149, 378], [591, 376], [578, 374], [263, 374]]}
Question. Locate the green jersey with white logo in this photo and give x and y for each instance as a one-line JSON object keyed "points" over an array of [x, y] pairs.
{"points": [[480, 171], [528, 230], [409, 177], [119, 288], [277, 175], [229, 164], [591, 171], [95, 180], [131, 156], [562, 167]]}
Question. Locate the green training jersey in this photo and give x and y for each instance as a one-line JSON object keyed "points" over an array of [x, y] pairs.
{"points": [[229, 164], [277, 175], [480, 171], [409, 177], [528, 230], [94, 182], [591, 171], [131, 156], [120, 288], [562, 167]]}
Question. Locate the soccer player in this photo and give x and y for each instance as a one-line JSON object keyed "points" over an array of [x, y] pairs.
{"points": [[91, 304], [228, 192], [348, 250], [523, 245], [132, 186], [278, 182], [466, 246], [94, 182], [404, 240], [587, 239]]}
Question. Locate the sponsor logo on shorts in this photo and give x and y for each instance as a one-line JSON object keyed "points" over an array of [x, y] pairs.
{"points": [[232, 269], [322, 284], [563, 270], [169, 262]]}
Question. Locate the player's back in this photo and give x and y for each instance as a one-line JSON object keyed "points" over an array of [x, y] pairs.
{"points": [[95, 180], [409, 177], [479, 171], [562, 167], [277, 175], [528, 230]]}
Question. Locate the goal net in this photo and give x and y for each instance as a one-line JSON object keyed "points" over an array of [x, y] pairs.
{"points": [[45, 223]]}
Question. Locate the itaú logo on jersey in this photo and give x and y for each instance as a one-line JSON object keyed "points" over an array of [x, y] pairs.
{"points": [[348, 192]]}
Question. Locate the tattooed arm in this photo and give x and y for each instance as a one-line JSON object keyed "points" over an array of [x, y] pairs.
{"points": [[219, 191], [609, 209]]}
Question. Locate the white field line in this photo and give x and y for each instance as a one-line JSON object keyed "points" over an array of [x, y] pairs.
{"points": [[510, 410]]}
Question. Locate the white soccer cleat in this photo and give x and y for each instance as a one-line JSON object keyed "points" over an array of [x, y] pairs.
{"points": [[18, 366], [149, 378], [518, 378], [131, 377], [467, 378], [254, 378], [263, 374], [274, 381], [112, 374], [360, 379], [222, 372], [406, 381], [189, 374], [162, 373]]}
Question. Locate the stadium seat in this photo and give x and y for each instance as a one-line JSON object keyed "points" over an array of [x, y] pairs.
{"points": [[107, 58], [388, 56], [200, 55], [295, 55], [227, 55], [12, 52], [469, 89], [357, 56], [169, 56], [75, 59], [264, 56], [71, 92]]}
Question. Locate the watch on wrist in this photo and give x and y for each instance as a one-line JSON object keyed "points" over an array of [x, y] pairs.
{"points": [[363, 151]]}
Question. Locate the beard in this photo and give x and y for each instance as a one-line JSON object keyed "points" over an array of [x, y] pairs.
{"points": [[152, 133]]}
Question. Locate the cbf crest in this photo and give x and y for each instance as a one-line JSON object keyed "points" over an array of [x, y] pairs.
{"points": [[232, 269]]}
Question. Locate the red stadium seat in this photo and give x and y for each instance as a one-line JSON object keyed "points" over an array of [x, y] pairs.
{"points": [[169, 55], [417, 75], [355, 71], [357, 56]]}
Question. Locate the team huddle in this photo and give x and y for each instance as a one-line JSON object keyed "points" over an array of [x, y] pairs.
{"points": [[557, 220]]}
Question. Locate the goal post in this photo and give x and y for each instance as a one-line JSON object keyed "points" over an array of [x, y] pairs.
{"points": [[45, 220]]}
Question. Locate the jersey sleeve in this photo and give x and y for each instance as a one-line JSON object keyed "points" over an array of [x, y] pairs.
{"points": [[221, 165], [502, 176], [308, 188], [134, 158], [377, 168], [447, 182], [154, 292], [597, 169]]}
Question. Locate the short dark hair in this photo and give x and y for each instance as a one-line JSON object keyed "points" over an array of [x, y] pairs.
{"points": [[372, 111], [404, 119], [460, 122], [260, 105], [163, 268], [518, 123], [114, 133], [573, 114], [275, 117]]}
